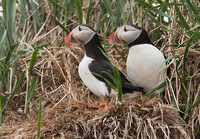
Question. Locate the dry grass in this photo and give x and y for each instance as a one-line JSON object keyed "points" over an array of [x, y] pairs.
{"points": [[68, 119], [65, 113]]}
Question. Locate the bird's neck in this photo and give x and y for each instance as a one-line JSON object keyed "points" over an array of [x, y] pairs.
{"points": [[93, 48], [142, 39]]}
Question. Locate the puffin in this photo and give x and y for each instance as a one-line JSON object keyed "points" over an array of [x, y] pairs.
{"points": [[94, 61], [145, 63]]}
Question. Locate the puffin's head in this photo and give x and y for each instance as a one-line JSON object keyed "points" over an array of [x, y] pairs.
{"points": [[125, 34], [80, 35]]}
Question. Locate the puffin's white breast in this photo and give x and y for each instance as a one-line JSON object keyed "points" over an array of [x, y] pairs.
{"points": [[145, 66], [96, 86]]}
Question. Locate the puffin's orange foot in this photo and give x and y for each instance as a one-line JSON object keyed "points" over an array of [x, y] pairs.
{"points": [[96, 106], [100, 106]]}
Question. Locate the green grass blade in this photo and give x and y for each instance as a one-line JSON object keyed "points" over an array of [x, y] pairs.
{"points": [[41, 14], [19, 82], [54, 7], [104, 35], [33, 58], [101, 22], [154, 9], [34, 9], [1, 90], [58, 23], [88, 13], [188, 11], [107, 81], [180, 120], [185, 57], [31, 88], [153, 19], [1, 27], [70, 9], [112, 78], [31, 83], [116, 78], [156, 88], [42, 45], [184, 88], [107, 4], [195, 34], [123, 57], [23, 11], [181, 17], [28, 46], [154, 35], [187, 107], [127, 21], [120, 7], [185, 93], [119, 84], [83, 85], [58, 5], [9, 12], [39, 116], [9, 61], [103, 8], [197, 16], [2, 53], [171, 57], [119, 11], [79, 10], [191, 5], [195, 104]]}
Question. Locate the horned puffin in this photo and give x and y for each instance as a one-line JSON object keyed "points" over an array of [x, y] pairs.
{"points": [[95, 62], [145, 63]]}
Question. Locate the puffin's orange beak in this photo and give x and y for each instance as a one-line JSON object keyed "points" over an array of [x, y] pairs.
{"points": [[113, 39], [71, 40], [67, 40]]}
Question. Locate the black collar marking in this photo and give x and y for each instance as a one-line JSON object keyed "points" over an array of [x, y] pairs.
{"points": [[142, 39], [92, 48]]}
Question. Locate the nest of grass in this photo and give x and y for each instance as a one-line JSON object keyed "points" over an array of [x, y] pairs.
{"points": [[134, 119]]}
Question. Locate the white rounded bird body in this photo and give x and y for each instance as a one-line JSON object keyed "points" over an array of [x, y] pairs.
{"points": [[145, 66]]}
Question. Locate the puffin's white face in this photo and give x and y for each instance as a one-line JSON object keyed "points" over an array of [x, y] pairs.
{"points": [[124, 35], [81, 34]]}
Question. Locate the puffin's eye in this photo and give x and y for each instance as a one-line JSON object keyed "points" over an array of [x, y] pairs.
{"points": [[125, 29], [79, 28]]}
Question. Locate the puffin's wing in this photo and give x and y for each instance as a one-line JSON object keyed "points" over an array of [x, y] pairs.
{"points": [[101, 67]]}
